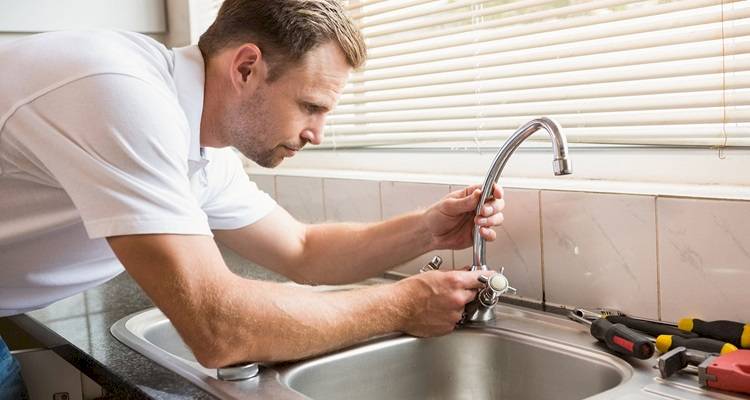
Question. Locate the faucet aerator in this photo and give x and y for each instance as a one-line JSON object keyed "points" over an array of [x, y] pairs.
{"points": [[562, 166]]}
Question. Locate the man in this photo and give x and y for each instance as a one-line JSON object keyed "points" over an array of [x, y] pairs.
{"points": [[115, 152]]}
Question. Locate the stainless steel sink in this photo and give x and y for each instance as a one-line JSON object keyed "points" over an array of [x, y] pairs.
{"points": [[522, 355], [471, 364]]}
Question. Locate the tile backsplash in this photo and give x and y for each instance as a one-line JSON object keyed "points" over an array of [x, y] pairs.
{"points": [[649, 256]]}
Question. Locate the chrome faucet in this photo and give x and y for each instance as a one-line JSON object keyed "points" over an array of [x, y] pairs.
{"points": [[480, 309]]}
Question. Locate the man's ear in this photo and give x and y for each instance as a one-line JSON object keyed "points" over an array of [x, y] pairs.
{"points": [[247, 67]]}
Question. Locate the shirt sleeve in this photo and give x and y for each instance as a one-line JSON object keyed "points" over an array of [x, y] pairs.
{"points": [[235, 201], [118, 146]]}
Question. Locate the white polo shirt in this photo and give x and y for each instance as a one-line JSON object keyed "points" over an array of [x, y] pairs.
{"points": [[99, 136]]}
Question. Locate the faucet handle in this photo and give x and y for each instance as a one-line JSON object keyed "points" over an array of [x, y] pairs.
{"points": [[433, 265], [496, 285]]}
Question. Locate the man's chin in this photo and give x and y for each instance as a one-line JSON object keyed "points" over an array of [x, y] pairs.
{"points": [[270, 162]]}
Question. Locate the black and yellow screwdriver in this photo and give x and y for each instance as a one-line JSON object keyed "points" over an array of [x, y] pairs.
{"points": [[618, 337], [732, 332], [664, 343], [665, 336]]}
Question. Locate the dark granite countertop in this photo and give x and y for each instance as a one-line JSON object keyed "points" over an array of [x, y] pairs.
{"points": [[77, 329]]}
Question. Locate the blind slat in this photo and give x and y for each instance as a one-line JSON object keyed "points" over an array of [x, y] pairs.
{"points": [[707, 32], [658, 81], [552, 20], [613, 119], [570, 72], [591, 89], [694, 135], [717, 98], [646, 18]]}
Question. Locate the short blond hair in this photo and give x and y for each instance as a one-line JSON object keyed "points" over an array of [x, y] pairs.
{"points": [[284, 30]]}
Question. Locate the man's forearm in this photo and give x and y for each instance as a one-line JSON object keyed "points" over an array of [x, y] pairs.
{"points": [[343, 253], [266, 322], [226, 319]]}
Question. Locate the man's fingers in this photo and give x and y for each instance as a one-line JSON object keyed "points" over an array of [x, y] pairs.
{"points": [[471, 189], [468, 295], [494, 220], [488, 234], [492, 206], [457, 206], [470, 279], [497, 191]]}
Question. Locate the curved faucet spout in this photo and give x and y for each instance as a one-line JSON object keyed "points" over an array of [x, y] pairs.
{"points": [[561, 166]]}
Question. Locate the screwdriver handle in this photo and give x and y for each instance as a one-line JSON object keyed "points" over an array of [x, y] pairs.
{"points": [[649, 327], [621, 339], [664, 343], [735, 333]]}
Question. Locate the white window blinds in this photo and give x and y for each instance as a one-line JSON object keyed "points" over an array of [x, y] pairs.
{"points": [[656, 72]]}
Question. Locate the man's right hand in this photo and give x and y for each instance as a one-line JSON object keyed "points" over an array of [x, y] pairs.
{"points": [[435, 300]]}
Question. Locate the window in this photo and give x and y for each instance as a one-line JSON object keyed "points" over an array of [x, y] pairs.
{"points": [[453, 73]]}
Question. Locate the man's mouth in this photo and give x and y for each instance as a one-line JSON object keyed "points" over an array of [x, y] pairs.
{"points": [[291, 151]]}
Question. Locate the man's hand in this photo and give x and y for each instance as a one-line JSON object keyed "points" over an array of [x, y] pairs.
{"points": [[451, 220], [435, 300]]}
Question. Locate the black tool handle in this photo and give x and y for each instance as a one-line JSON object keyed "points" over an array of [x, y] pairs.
{"points": [[621, 339], [668, 342], [649, 327], [733, 332]]}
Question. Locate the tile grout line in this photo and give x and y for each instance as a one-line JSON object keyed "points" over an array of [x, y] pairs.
{"points": [[541, 250], [658, 263], [323, 198]]}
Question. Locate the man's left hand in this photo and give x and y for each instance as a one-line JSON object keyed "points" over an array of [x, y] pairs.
{"points": [[451, 220]]}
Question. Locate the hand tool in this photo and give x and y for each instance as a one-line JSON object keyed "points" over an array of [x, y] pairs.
{"points": [[665, 343], [618, 337], [644, 324], [735, 333], [677, 359], [650, 327], [729, 371], [667, 335]]}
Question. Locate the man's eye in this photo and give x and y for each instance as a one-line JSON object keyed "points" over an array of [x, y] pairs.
{"points": [[313, 109]]}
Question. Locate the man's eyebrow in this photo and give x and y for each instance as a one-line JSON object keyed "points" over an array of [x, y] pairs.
{"points": [[313, 104]]}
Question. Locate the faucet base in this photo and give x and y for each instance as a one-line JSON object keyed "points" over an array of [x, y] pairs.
{"points": [[476, 312]]}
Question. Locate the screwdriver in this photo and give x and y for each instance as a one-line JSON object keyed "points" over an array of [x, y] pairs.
{"points": [[618, 337], [735, 333], [669, 337], [664, 343], [652, 328]]}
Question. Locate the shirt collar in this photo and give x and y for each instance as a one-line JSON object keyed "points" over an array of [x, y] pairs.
{"points": [[189, 78]]}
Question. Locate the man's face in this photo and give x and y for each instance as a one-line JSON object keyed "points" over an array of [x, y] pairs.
{"points": [[277, 119]]}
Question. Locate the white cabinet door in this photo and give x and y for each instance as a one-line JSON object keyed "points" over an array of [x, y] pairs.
{"points": [[46, 374], [30, 16]]}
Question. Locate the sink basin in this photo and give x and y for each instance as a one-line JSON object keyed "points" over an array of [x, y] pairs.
{"points": [[523, 354], [471, 364]]}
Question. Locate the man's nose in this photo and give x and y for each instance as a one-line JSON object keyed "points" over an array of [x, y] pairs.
{"points": [[313, 135]]}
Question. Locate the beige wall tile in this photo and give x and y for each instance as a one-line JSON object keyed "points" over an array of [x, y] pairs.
{"points": [[400, 197], [265, 183], [704, 258], [600, 250], [350, 200], [302, 197]]}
